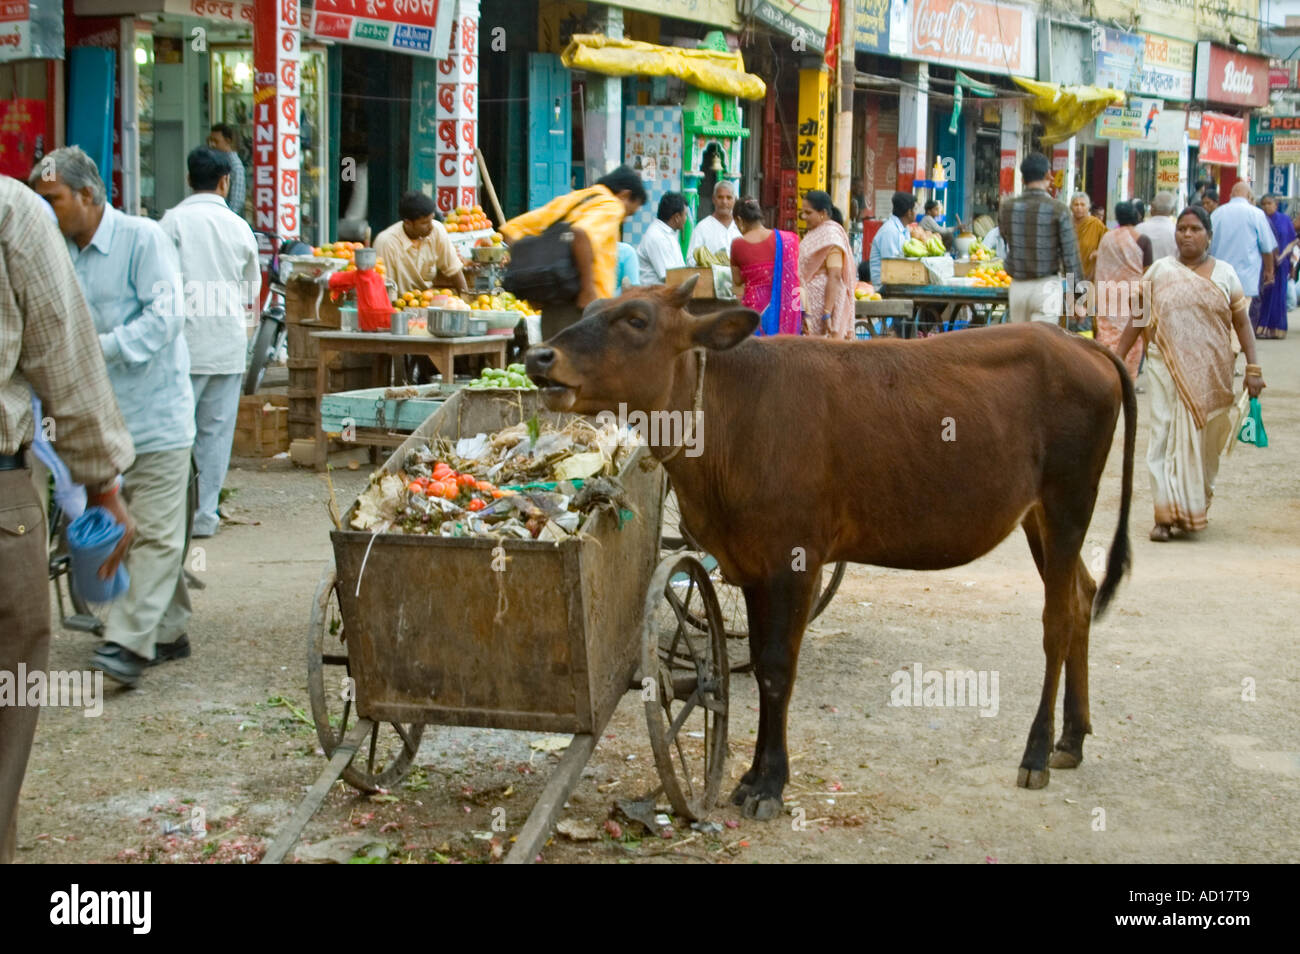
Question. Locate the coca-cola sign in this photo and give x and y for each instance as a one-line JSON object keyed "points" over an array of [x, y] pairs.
{"points": [[1228, 76], [1221, 139], [994, 37]]}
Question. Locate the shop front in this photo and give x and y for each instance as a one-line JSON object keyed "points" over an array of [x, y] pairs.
{"points": [[31, 46], [1231, 84]]}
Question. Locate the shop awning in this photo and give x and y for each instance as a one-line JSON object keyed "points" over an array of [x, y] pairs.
{"points": [[715, 72], [1067, 109]]}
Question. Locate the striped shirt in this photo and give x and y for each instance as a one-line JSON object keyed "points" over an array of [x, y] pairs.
{"points": [[235, 197], [48, 342], [1039, 234]]}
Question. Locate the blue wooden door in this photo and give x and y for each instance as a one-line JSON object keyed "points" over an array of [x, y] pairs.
{"points": [[90, 105], [422, 174], [550, 128]]}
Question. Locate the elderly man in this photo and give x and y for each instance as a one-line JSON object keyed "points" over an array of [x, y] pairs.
{"points": [[417, 251], [660, 248], [1088, 231], [1159, 226], [716, 232], [1244, 239], [128, 272], [219, 262], [47, 345], [1041, 246]]}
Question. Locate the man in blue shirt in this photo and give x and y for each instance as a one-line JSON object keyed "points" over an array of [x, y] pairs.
{"points": [[1244, 239], [889, 240], [128, 271]]}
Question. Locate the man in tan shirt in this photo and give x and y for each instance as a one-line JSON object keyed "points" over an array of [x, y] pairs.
{"points": [[48, 345], [417, 250]]}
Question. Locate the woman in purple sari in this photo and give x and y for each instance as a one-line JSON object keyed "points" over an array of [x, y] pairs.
{"points": [[765, 271], [1271, 322]]}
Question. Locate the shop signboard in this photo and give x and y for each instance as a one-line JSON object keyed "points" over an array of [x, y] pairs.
{"points": [[806, 20], [1227, 76], [31, 30], [1263, 129], [1221, 139], [811, 133], [1286, 150], [1167, 68], [1281, 74], [1137, 122], [457, 114], [415, 27], [871, 20], [277, 88], [1119, 58], [15, 30], [1167, 171], [226, 11], [1279, 179], [974, 34], [23, 135]]}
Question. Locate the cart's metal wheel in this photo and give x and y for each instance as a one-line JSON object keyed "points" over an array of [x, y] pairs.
{"points": [[675, 537], [384, 758], [684, 653]]}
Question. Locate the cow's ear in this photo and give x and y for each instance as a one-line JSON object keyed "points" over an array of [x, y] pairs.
{"points": [[679, 295], [596, 306], [724, 329]]}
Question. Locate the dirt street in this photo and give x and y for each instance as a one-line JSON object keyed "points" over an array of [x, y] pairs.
{"points": [[1195, 685]]}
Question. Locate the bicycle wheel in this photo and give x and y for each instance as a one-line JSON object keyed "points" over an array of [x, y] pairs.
{"points": [[262, 351]]}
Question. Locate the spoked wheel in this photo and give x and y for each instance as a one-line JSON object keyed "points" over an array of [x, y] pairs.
{"points": [[684, 652], [385, 756], [675, 537]]}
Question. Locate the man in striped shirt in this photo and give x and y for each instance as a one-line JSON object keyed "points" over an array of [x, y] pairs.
{"points": [[1041, 246], [222, 138]]}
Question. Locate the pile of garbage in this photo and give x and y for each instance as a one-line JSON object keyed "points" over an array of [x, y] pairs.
{"points": [[529, 481]]}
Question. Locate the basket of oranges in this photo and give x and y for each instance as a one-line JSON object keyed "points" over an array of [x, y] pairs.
{"points": [[990, 276], [465, 218]]}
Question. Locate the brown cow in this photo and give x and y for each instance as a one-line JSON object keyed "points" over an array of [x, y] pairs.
{"points": [[912, 454]]}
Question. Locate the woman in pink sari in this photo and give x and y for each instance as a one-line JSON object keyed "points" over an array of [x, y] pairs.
{"points": [[826, 270], [1122, 256], [765, 271]]}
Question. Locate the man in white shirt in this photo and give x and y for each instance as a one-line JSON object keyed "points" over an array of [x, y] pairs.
{"points": [[1244, 239], [890, 237], [1159, 226], [222, 281], [716, 232], [661, 247]]}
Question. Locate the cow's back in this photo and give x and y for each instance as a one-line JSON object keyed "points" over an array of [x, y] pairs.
{"points": [[875, 451]]}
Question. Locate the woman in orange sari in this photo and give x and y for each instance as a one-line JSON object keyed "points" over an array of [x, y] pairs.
{"points": [[826, 270], [1122, 256], [1191, 305]]}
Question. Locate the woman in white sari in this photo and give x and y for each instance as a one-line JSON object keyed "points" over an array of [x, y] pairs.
{"points": [[1190, 306]]}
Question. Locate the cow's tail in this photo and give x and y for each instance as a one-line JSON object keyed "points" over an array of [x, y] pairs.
{"points": [[1117, 563]]}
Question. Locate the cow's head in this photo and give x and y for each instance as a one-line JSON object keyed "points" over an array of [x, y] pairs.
{"points": [[625, 349]]}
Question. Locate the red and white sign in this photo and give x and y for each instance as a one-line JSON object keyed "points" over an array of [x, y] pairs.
{"points": [[1221, 139], [1281, 74], [227, 11], [277, 86], [994, 37], [1226, 76], [413, 27], [1007, 172], [15, 30], [457, 114]]}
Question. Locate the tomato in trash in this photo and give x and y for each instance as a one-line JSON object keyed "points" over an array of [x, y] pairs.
{"points": [[466, 480], [476, 504], [484, 487]]}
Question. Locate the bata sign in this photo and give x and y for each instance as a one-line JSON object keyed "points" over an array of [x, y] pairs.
{"points": [[1221, 139], [1226, 76], [994, 37]]}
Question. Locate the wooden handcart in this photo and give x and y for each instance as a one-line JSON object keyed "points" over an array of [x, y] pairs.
{"points": [[411, 630]]}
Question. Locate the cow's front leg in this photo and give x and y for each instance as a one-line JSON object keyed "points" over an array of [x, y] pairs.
{"points": [[778, 612]]}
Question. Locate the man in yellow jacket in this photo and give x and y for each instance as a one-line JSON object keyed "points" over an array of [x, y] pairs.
{"points": [[597, 225]]}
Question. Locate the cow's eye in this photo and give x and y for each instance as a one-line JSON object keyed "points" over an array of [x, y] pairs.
{"points": [[637, 322]]}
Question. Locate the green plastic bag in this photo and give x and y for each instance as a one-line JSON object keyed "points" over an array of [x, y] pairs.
{"points": [[1252, 428]]}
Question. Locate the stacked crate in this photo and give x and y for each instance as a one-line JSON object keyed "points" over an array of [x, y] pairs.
{"points": [[262, 425], [347, 372]]}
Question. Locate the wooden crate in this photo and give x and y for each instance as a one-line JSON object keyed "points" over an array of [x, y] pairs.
{"points": [[375, 407], [300, 305], [262, 425], [703, 288], [903, 271]]}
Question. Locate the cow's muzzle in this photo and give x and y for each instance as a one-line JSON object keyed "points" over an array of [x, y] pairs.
{"points": [[540, 363]]}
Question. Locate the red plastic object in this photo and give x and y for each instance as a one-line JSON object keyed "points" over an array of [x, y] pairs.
{"points": [[869, 229], [374, 310]]}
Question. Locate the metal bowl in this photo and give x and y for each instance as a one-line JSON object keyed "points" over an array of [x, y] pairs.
{"points": [[488, 253], [448, 322], [477, 326], [499, 319]]}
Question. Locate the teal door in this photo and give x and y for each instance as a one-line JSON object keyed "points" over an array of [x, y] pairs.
{"points": [[422, 174], [550, 128]]}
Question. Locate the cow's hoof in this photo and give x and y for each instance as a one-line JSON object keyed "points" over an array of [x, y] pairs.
{"points": [[1064, 759], [742, 793], [762, 807], [1033, 778]]}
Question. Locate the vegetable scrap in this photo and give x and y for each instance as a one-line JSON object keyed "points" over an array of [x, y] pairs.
{"points": [[529, 481]]}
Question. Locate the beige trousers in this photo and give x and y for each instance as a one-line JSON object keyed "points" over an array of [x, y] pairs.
{"points": [[1035, 299], [156, 608]]}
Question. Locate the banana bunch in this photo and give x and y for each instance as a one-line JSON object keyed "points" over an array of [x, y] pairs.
{"points": [[706, 259]]}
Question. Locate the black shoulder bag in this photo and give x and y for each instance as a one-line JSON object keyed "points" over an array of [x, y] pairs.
{"points": [[541, 268]]}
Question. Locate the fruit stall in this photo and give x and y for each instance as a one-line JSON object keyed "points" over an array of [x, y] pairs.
{"points": [[943, 292]]}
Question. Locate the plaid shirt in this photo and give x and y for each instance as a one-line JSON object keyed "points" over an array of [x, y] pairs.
{"points": [[1040, 237], [48, 341], [235, 198]]}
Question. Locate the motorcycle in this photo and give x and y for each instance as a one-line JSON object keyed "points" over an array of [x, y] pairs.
{"points": [[270, 336]]}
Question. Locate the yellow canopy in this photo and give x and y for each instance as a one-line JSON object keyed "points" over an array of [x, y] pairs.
{"points": [[1067, 109], [707, 69]]}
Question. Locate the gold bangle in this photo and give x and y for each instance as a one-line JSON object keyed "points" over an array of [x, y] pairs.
{"points": [[1255, 370]]}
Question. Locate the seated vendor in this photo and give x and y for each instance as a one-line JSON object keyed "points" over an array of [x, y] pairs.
{"points": [[417, 250]]}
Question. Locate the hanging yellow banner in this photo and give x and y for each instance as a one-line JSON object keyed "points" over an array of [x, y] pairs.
{"points": [[811, 134]]}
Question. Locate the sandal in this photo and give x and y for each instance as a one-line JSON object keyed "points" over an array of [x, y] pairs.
{"points": [[1160, 533]]}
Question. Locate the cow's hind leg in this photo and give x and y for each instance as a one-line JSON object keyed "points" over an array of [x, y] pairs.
{"points": [[1077, 720], [1055, 537], [778, 613]]}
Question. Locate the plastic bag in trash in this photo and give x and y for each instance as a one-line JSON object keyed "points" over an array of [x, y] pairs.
{"points": [[472, 448]]}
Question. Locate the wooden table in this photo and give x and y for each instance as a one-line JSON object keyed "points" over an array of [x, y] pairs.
{"points": [[948, 298], [441, 351]]}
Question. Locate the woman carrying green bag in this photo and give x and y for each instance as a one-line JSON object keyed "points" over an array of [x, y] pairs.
{"points": [[1191, 305]]}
